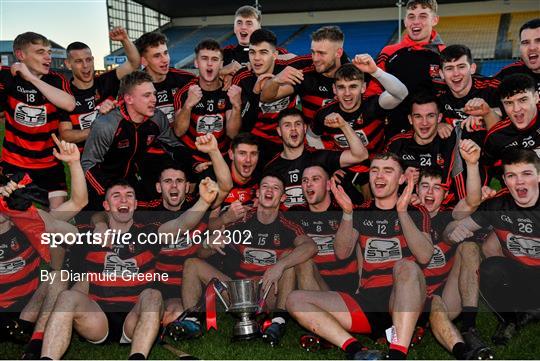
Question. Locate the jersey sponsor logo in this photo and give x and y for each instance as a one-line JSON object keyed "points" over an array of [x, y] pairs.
{"points": [[209, 124], [12, 266], [380, 250], [30, 116], [341, 140], [261, 257], [523, 246], [438, 260], [115, 264], [275, 107], [294, 196], [221, 104], [178, 245], [86, 120], [150, 139], [325, 243], [168, 110]]}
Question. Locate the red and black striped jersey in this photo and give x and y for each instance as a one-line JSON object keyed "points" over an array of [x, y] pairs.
{"points": [[112, 269], [438, 269], [30, 120], [517, 228], [257, 117], [504, 135], [416, 65], [315, 91], [367, 121], [518, 67], [243, 192], [292, 169], [267, 244], [105, 86], [453, 114], [209, 115], [240, 53], [322, 228], [382, 241]]}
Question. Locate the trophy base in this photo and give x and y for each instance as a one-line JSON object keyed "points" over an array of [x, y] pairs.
{"points": [[246, 329], [246, 337]]}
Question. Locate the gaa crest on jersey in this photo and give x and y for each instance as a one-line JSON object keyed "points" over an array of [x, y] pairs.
{"points": [[333, 224], [277, 240], [209, 124], [260, 257], [440, 159], [380, 250], [30, 116], [14, 245], [438, 260], [434, 70], [150, 139], [221, 104]]}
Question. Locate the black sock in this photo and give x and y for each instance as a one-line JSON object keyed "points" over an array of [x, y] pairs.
{"points": [[468, 316], [26, 326], [280, 313], [34, 346], [394, 354], [136, 356], [353, 347], [459, 350]]}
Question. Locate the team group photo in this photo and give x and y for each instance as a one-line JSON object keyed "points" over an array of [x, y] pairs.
{"points": [[272, 180]]}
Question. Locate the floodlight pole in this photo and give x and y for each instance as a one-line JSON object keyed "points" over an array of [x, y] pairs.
{"points": [[399, 4]]}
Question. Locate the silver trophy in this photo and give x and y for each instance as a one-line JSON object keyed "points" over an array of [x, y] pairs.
{"points": [[245, 303]]}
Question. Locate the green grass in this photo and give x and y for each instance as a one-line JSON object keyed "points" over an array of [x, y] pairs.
{"points": [[218, 345]]}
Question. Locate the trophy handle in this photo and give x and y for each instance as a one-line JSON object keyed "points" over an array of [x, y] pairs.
{"points": [[220, 287], [261, 303]]}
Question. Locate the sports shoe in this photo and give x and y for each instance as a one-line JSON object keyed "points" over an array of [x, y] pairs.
{"points": [[504, 332], [273, 333], [12, 329], [366, 354], [311, 342], [418, 335], [478, 350], [184, 330]]}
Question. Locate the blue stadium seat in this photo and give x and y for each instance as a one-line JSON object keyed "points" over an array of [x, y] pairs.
{"points": [[283, 33], [184, 48], [491, 67]]}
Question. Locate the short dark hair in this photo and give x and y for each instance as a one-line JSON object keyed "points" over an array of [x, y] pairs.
{"points": [[150, 40], [273, 175], [263, 35], [248, 11], [208, 44], [133, 79], [515, 84], [454, 52], [173, 166], [518, 155], [348, 72], [389, 155], [76, 45], [531, 24], [244, 138], [331, 33], [318, 166], [430, 4], [117, 182], [423, 97], [288, 113], [431, 172], [25, 39]]}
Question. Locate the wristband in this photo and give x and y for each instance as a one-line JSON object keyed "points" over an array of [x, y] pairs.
{"points": [[347, 216]]}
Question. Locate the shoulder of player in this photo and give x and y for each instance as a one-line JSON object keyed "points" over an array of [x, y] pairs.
{"points": [[282, 50], [510, 69], [242, 74], [287, 221], [173, 72], [389, 50], [482, 82], [498, 128], [300, 61], [328, 108], [402, 137], [499, 201], [229, 47]]}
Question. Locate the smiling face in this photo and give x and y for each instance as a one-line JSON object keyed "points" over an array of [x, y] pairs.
{"points": [[120, 203], [424, 119], [243, 27], [385, 176], [529, 48], [457, 74], [173, 186], [349, 94], [292, 131], [142, 99], [156, 59], [326, 55], [315, 185], [261, 57], [209, 62], [521, 108], [271, 193], [81, 64], [522, 182], [419, 22], [431, 193], [37, 58]]}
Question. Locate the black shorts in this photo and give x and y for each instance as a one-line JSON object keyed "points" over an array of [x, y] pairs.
{"points": [[169, 290], [51, 179], [115, 321], [343, 283], [371, 304]]}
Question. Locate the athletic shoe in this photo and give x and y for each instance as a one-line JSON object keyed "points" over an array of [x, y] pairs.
{"points": [[274, 333], [504, 333], [418, 335], [478, 350], [311, 342], [184, 330], [367, 355], [12, 329]]}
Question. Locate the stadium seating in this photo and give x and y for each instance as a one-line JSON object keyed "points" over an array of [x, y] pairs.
{"points": [[491, 67], [478, 32], [184, 48], [516, 20], [283, 33], [361, 37]]}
